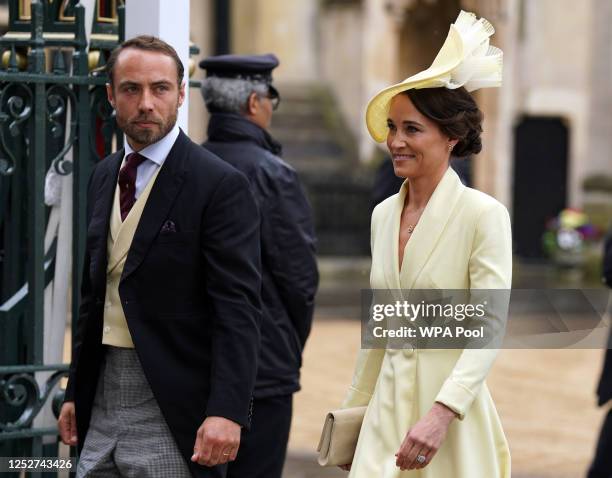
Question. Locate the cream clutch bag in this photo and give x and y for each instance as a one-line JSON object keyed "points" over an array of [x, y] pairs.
{"points": [[339, 437]]}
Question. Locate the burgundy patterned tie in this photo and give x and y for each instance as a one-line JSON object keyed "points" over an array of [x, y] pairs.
{"points": [[127, 183]]}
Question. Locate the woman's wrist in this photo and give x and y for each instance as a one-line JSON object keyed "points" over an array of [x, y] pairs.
{"points": [[444, 412]]}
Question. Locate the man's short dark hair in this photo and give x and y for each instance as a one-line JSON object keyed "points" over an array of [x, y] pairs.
{"points": [[147, 43]]}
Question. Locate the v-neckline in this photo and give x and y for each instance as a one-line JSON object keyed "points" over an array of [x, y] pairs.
{"points": [[399, 239], [431, 223]]}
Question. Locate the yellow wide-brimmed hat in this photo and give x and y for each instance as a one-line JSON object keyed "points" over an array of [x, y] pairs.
{"points": [[466, 59]]}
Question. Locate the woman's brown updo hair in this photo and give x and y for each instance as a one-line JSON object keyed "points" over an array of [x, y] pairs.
{"points": [[456, 114]]}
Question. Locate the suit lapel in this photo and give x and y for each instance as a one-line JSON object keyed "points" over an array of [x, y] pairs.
{"points": [[164, 191], [429, 228], [100, 217]]}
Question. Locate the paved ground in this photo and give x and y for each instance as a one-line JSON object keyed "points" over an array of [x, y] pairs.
{"points": [[545, 399]]}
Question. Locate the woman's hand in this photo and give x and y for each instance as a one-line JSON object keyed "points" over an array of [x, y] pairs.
{"points": [[425, 438]]}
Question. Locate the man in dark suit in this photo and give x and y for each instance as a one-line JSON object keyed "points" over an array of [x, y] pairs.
{"points": [[240, 96], [165, 354], [602, 462]]}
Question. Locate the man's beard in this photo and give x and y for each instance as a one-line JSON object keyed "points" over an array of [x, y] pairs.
{"points": [[145, 136]]}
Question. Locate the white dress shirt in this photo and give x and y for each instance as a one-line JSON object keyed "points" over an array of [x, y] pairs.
{"points": [[156, 154]]}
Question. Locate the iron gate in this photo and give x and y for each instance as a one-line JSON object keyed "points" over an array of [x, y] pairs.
{"points": [[55, 123]]}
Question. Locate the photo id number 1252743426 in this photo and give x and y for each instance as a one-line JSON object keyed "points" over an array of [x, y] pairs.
{"points": [[10, 464]]}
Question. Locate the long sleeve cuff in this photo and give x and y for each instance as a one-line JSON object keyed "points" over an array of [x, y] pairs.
{"points": [[456, 397], [241, 415], [69, 392]]}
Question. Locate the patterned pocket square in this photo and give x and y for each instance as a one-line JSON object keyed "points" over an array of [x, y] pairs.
{"points": [[168, 227]]}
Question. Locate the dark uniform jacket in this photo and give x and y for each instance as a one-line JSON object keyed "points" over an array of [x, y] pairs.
{"points": [[289, 268], [604, 390], [191, 296]]}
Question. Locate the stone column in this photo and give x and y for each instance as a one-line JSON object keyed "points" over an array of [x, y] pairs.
{"points": [[599, 158], [168, 21], [286, 28], [493, 170], [380, 65]]}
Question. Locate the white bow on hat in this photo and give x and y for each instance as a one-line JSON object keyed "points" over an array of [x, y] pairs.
{"points": [[465, 59]]}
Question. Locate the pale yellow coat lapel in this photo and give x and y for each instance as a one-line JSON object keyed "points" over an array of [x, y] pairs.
{"points": [[426, 233]]}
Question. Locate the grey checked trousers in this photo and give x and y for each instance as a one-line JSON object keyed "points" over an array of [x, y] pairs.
{"points": [[128, 436]]}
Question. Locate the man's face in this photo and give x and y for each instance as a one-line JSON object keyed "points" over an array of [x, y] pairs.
{"points": [[260, 110], [145, 95]]}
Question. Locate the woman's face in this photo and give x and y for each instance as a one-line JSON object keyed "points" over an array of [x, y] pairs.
{"points": [[418, 148]]}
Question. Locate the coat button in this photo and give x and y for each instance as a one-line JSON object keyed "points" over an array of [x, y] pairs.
{"points": [[107, 329]]}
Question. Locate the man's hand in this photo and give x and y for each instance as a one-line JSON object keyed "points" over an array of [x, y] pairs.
{"points": [[67, 424], [217, 442]]}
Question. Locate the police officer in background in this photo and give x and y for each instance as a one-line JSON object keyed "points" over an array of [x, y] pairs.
{"points": [[240, 98]]}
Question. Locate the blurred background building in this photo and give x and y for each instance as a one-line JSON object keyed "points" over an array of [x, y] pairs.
{"points": [[548, 130], [547, 138]]}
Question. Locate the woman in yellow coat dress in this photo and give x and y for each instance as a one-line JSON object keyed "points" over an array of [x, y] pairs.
{"points": [[430, 414]]}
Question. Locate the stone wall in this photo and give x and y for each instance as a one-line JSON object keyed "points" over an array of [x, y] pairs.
{"points": [[599, 125], [286, 28], [340, 28], [557, 62], [555, 74]]}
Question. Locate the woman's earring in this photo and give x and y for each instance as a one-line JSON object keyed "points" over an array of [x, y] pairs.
{"points": [[450, 146]]}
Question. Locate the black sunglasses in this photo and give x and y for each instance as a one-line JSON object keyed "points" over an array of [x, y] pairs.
{"points": [[274, 97]]}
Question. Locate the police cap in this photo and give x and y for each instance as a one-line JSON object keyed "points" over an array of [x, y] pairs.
{"points": [[246, 67]]}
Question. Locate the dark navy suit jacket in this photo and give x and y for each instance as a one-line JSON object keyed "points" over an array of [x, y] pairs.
{"points": [[190, 292]]}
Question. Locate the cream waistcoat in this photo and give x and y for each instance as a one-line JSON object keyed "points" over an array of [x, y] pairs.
{"points": [[120, 235]]}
